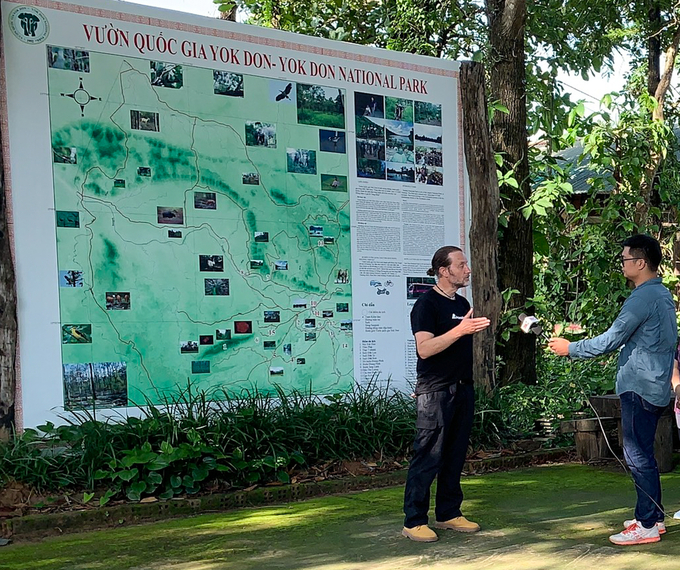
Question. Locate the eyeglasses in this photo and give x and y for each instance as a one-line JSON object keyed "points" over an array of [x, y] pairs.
{"points": [[624, 259]]}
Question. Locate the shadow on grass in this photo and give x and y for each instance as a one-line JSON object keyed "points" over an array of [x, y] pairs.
{"points": [[547, 517]]}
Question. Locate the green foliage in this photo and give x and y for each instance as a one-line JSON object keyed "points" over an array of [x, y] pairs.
{"points": [[193, 439]]}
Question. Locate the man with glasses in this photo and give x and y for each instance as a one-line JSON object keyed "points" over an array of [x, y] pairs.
{"points": [[443, 326], [646, 332]]}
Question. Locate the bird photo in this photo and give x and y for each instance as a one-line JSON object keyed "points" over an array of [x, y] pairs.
{"points": [[76, 334], [283, 94]]}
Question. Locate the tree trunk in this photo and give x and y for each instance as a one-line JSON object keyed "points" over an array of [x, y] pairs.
{"points": [[485, 202], [509, 137], [8, 315]]}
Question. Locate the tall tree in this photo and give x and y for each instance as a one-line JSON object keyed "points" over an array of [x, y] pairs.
{"points": [[507, 71], [8, 319]]}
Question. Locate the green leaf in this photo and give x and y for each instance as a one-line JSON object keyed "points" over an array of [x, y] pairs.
{"points": [[167, 494], [134, 491], [199, 473], [154, 478], [176, 481], [101, 474], [127, 475], [283, 477], [87, 497]]}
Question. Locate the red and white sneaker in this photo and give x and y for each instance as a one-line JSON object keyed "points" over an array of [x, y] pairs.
{"points": [[660, 525], [636, 534]]}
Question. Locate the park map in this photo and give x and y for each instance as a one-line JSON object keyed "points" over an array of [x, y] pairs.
{"points": [[203, 231]]}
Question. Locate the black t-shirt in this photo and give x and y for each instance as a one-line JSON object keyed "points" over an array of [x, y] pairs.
{"points": [[437, 314]]}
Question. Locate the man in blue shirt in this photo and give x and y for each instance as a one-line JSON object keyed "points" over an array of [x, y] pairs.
{"points": [[646, 332]]}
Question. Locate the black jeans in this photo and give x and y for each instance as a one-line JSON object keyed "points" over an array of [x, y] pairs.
{"points": [[442, 435], [639, 419]]}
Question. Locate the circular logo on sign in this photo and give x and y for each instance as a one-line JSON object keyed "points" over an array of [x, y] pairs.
{"points": [[29, 24]]}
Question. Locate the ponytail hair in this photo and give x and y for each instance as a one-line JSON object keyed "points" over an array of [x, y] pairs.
{"points": [[441, 259]]}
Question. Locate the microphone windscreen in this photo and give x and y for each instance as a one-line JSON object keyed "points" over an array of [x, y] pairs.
{"points": [[537, 330], [522, 317]]}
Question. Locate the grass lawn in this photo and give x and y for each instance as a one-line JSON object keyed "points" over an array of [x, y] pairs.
{"points": [[553, 517]]}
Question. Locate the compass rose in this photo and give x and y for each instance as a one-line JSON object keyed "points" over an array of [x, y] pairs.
{"points": [[81, 97]]}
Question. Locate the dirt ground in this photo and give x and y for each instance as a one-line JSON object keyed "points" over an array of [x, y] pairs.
{"points": [[551, 517]]}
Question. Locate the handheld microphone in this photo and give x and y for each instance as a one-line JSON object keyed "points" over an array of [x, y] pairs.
{"points": [[529, 324]]}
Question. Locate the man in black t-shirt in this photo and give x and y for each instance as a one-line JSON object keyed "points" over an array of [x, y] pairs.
{"points": [[443, 325]]}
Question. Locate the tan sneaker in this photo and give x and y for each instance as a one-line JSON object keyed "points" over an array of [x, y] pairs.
{"points": [[420, 533], [461, 524]]}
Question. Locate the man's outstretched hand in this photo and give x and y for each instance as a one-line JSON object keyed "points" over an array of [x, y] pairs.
{"points": [[472, 325], [560, 346]]}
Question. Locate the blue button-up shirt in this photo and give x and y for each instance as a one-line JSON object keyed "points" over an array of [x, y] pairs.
{"points": [[646, 330]]}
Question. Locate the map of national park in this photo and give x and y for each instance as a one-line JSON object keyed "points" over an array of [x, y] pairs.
{"points": [[203, 231]]}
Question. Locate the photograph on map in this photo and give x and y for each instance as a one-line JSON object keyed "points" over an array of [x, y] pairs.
{"points": [[288, 349], [272, 316], [205, 201], [400, 172], [316, 231], [342, 276], [417, 286], [310, 323], [373, 150], [328, 240], [326, 314], [333, 183], [164, 74], [301, 161], [188, 347], [119, 183], [68, 219], [76, 334], [118, 301], [261, 237], [243, 327], [369, 105], [205, 339], [71, 278], [256, 263], [371, 168], [345, 325], [210, 263], [145, 121], [169, 215], [260, 134], [432, 175], [299, 303], [144, 171], [200, 366], [321, 106], [428, 113], [368, 129], [310, 336], [174, 234], [64, 155], [342, 307], [252, 178], [300, 361], [218, 287], [276, 371], [223, 334], [399, 109], [281, 265], [68, 59], [428, 154], [227, 83], [332, 141], [95, 385], [282, 91], [269, 344], [426, 135]]}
